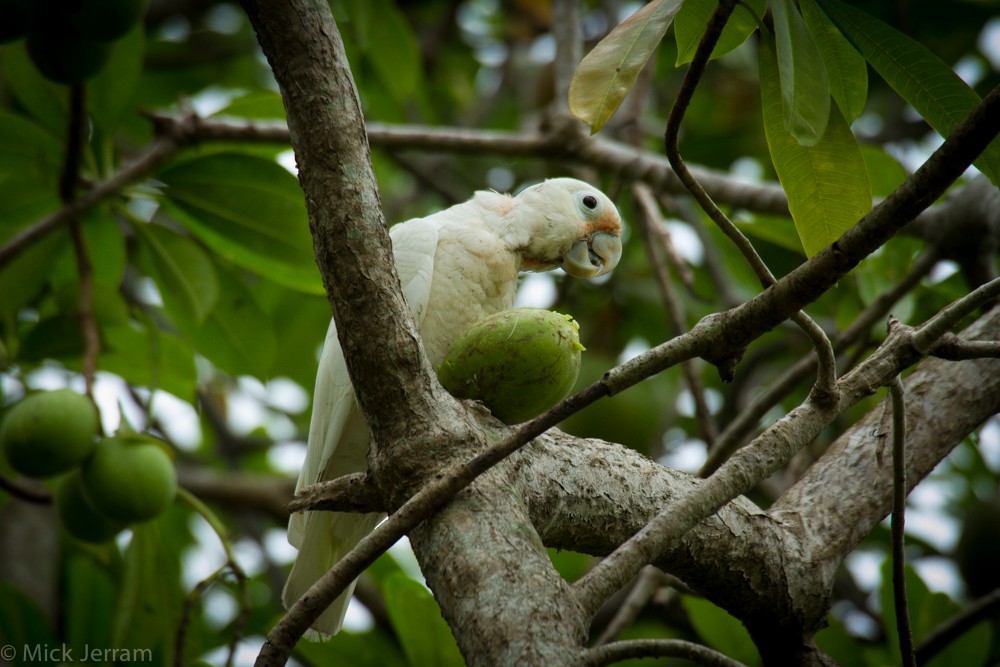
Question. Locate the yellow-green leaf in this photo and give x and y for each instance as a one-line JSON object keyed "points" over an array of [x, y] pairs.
{"points": [[692, 19], [845, 67], [805, 89], [609, 71], [827, 183]]}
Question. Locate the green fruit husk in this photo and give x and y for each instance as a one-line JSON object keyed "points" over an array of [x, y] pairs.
{"points": [[518, 362], [80, 518], [130, 481], [49, 432]]}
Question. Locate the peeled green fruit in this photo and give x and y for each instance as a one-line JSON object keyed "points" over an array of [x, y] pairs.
{"points": [[129, 480], [518, 362], [49, 432], [65, 55], [80, 518]]}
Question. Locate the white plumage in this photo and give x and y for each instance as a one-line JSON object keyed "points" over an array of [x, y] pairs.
{"points": [[455, 267]]}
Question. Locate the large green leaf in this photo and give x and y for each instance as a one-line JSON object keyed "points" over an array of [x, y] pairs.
{"points": [[925, 81], [393, 51], [692, 19], [426, 638], [845, 67], [827, 184], [237, 335], [609, 71], [250, 211], [148, 357], [720, 630], [181, 269], [805, 90], [149, 598], [111, 91], [46, 101]]}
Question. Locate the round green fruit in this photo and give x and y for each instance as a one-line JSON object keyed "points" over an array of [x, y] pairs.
{"points": [[65, 55], [79, 516], [129, 480], [13, 20], [519, 362], [105, 20], [49, 432]]}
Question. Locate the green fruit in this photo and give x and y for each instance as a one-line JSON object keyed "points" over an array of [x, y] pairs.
{"points": [[129, 480], [518, 362], [49, 432], [13, 20], [79, 516], [104, 20], [63, 54]]}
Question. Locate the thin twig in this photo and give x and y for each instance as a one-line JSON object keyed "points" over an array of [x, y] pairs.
{"points": [[825, 388], [38, 496], [898, 522], [656, 648], [231, 564], [646, 585], [939, 638], [937, 326], [732, 437], [649, 220]]}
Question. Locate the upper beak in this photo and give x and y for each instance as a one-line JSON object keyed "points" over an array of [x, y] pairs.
{"points": [[589, 258]]}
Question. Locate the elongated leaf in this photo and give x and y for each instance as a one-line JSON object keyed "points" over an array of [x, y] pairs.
{"points": [[805, 90], [845, 67], [250, 211], [827, 184], [425, 637], [925, 81], [237, 335], [148, 609], [609, 71], [692, 19], [110, 92], [181, 270], [45, 101], [720, 630], [148, 357]]}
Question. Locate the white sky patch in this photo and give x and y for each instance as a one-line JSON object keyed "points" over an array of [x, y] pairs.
{"points": [[864, 566], [989, 41], [287, 160], [989, 443], [403, 554], [685, 402], [287, 457], [747, 170], [940, 575], [245, 656], [941, 272], [633, 349], [686, 242], [276, 545], [682, 453], [358, 618], [537, 290]]}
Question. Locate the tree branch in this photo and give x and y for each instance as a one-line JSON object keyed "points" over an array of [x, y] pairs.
{"points": [[656, 648]]}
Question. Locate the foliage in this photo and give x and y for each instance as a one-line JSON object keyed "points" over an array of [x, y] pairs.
{"points": [[206, 298]]}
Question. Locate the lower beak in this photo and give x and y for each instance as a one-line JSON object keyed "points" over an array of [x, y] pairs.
{"points": [[590, 258]]}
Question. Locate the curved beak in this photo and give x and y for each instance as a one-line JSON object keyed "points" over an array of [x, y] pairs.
{"points": [[589, 258]]}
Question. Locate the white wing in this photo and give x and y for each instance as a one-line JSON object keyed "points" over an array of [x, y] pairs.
{"points": [[338, 436]]}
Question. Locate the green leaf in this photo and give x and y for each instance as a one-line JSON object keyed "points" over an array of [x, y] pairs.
{"points": [[393, 50], [23, 625], [885, 171], [827, 185], [250, 211], [261, 105], [147, 357], [426, 638], [720, 630], [110, 93], [926, 82], [181, 269], [609, 71], [805, 90], [90, 603], [692, 19], [148, 608], [237, 335], [845, 67], [46, 101]]}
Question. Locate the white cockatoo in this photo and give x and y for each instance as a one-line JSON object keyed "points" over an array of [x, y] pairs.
{"points": [[455, 267]]}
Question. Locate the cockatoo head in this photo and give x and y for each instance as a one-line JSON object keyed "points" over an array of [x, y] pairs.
{"points": [[568, 223]]}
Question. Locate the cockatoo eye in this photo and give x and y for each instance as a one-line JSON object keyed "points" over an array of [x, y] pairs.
{"points": [[590, 201]]}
